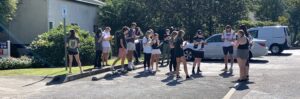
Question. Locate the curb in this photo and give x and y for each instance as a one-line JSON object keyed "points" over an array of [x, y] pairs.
{"points": [[93, 72]]}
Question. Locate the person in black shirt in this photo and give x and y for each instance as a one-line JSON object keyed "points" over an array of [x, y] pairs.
{"points": [[242, 54], [198, 50], [165, 47], [250, 38], [73, 44], [98, 46], [180, 55], [172, 52], [121, 44]]}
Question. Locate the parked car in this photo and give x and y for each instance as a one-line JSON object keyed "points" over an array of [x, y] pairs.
{"points": [[278, 37], [213, 49]]}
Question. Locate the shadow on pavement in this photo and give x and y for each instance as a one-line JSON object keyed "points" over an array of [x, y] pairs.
{"points": [[255, 61], [243, 86], [282, 54], [143, 74], [174, 83], [169, 78], [227, 74], [57, 80], [36, 81], [198, 75]]}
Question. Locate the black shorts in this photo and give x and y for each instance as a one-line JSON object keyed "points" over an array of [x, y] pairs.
{"points": [[179, 53], [228, 50], [72, 53], [198, 54]]}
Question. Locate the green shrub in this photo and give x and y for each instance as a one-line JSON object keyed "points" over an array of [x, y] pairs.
{"points": [[15, 63], [48, 48]]}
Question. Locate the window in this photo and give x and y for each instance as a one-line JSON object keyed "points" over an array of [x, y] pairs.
{"points": [[51, 24], [216, 38], [254, 33]]}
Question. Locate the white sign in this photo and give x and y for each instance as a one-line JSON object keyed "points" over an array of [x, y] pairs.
{"points": [[64, 11]]}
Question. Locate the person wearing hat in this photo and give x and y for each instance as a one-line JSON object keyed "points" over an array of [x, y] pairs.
{"points": [[198, 50], [228, 37]]}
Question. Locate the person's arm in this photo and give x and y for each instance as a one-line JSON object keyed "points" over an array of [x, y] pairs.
{"points": [[222, 36], [121, 42], [100, 39]]}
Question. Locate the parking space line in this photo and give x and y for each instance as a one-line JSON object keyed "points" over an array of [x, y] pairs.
{"points": [[231, 91]]}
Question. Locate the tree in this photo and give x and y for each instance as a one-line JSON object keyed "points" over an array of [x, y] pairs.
{"points": [[190, 15], [270, 10], [294, 18], [7, 10]]}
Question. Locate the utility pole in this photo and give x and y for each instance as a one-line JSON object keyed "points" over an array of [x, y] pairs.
{"points": [[64, 14]]}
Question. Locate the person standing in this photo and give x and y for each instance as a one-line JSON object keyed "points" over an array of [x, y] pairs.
{"points": [[106, 44], [138, 36], [228, 37], [155, 51], [130, 38], [98, 46], [147, 50], [250, 38], [173, 62], [242, 45], [180, 54], [121, 44], [72, 45], [198, 51], [165, 47]]}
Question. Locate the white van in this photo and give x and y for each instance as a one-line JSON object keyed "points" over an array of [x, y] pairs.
{"points": [[278, 37]]}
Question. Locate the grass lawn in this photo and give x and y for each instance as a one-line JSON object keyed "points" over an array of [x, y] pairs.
{"points": [[47, 71]]}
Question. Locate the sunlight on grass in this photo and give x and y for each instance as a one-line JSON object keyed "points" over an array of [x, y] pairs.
{"points": [[48, 71]]}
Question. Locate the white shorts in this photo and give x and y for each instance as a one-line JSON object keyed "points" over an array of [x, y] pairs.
{"points": [[156, 51], [106, 49], [130, 46]]}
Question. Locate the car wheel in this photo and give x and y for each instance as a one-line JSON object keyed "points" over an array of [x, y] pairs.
{"points": [[188, 54], [276, 49]]}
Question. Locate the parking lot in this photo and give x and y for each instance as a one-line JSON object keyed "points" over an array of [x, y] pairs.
{"points": [[272, 76]]}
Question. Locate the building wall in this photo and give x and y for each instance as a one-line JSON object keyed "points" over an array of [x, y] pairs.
{"points": [[30, 20], [85, 15]]}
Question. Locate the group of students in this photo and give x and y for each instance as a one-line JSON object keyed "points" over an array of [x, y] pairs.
{"points": [[128, 45]]}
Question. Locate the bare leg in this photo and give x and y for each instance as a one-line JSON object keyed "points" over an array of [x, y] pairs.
{"points": [[78, 62], [178, 66], [157, 59], [185, 66], [70, 63], [231, 60], [226, 61]]}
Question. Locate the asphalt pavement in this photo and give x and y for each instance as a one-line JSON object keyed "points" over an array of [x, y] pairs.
{"points": [[271, 77]]}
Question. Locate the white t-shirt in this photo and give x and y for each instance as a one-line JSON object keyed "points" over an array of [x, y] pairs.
{"points": [[147, 47], [105, 36], [228, 39]]}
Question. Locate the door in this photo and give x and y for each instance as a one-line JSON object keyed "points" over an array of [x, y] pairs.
{"points": [[213, 49]]}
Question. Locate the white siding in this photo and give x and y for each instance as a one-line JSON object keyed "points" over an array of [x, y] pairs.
{"points": [[30, 21], [85, 15]]}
